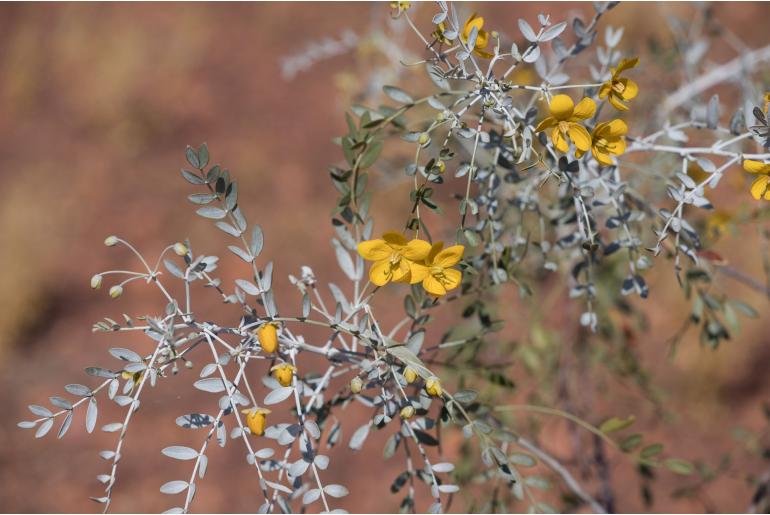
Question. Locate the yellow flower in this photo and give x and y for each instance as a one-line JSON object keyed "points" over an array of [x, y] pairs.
{"points": [[400, 6], [410, 375], [718, 223], [436, 273], [760, 187], [268, 337], [767, 101], [284, 373], [394, 257], [256, 420], [356, 384], [564, 119], [606, 139], [136, 377], [433, 387], [407, 412], [620, 89], [482, 37]]}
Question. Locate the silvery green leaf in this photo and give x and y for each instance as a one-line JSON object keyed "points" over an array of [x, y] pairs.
{"points": [[112, 428], [65, 425], [278, 395], [240, 220], [712, 117], [174, 487], [472, 37], [209, 369], [298, 468], [195, 421], [192, 157], [312, 429], [201, 198], [612, 37], [212, 385], [173, 269], [279, 487], [231, 200], [180, 452], [267, 276], [26, 424], [306, 305], [407, 357], [527, 32], [91, 414], [553, 31], [435, 508], [359, 437], [439, 18], [336, 490], [229, 229], [311, 496], [135, 367], [448, 489], [100, 372], [437, 76], [44, 428], [192, 178], [398, 94], [345, 261], [125, 354], [265, 453], [532, 54], [442, 467], [40, 411], [78, 389], [202, 465], [247, 286], [103, 478], [174, 510], [211, 212], [113, 388], [415, 341], [241, 253], [321, 461], [257, 240]]}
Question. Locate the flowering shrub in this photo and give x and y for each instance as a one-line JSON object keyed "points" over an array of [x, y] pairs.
{"points": [[513, 182]]}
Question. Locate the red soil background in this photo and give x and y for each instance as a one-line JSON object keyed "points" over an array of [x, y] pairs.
{"points": [[98, 102]]}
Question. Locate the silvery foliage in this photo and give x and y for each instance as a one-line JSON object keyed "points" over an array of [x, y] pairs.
{"points": [[591, 212]]}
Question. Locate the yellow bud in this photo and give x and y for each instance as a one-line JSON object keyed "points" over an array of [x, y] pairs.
{"points": [[268, 337], [441, 166], [256, 420], [407, 412], [410, 375], [283, 373], [116, 291], [423, 139], [356, 385], [433, 387], [180, 249], [111, 241], [96, 282]]}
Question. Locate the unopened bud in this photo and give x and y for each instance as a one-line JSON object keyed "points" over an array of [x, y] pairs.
{"points": [[433, 387], [423, 139], [180, 249], [116, 291], [410, 375], [188, 364], [96, 282], [111, 241], [356, 385], [407, 412]]}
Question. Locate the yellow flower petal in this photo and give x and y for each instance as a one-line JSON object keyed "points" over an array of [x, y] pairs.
{"points": [[752, 166], [558, 140], [402, 272], [416, 250], [547, 124], [380, 273], [605, 89], [450, 256], [452, 278], [759, 186], [626, 64], [418, 272], [579, 136], [602, 157], [631, 89], [617, 104], [374, 250], [395, 239], [433, 286], [561, 107], [584, 109], [615, 128]]}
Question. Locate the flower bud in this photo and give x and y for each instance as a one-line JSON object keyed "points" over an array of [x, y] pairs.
{"points": [[116, 291], [433, 387], [268, 337], [256, 420], [424, 138], [96, 282], [180, 249], [410, 375], [283, 373], [407, 412], [188, 364], [441, 166], [111, 241], [356, 385]]}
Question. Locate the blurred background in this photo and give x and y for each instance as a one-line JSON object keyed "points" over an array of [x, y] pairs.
{"points": [[97, 104]]}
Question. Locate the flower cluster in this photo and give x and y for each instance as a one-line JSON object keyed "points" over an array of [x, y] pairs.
{"points": [[414, 261]]}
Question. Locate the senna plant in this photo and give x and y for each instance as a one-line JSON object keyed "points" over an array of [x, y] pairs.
{"points": [[513, 181]]}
